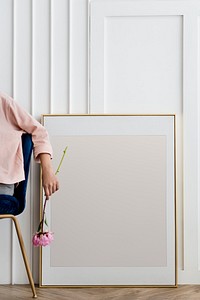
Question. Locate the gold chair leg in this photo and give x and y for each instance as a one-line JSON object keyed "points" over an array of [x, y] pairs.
{"points": [[21, 242]]}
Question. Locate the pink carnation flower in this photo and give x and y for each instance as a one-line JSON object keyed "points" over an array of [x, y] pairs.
{"points": [[42, 239]]}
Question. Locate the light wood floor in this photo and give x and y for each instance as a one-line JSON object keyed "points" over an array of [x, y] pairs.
{"points": [[21, 292]]}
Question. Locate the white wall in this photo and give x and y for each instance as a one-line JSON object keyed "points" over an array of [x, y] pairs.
{"points": [[145, 60]]}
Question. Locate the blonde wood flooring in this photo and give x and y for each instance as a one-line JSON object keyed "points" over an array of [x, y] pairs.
{"points": [[21, 292]]}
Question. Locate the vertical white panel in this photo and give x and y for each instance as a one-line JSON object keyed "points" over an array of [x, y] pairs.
{"points": [[6, 49], [198, 95], [5, 252], [136, 59], [22, 53], [143, 74], [41, 97], [137, 64], [59, 56], [22, 94], [190, 143], [190, 271], [140, 78], [6, 84], [41, 57], [78, 56]]}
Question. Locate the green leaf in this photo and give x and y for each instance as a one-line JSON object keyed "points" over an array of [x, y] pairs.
{"points": [[45, 222], [40, 226]]}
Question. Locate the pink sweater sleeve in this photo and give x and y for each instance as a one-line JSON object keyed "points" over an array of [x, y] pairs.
{"points": [[25, 122]]}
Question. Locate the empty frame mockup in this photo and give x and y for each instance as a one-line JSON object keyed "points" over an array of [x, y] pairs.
{"points": [[114, 216]]}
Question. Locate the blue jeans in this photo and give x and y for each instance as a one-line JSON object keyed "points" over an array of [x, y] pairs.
{"points": [[7, 189]]}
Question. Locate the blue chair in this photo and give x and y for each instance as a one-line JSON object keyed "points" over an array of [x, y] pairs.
{"points": [[11, 206]]}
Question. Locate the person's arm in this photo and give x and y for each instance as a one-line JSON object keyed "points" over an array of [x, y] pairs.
{"points": [[42, 149], [49, 180], [21, 119]]}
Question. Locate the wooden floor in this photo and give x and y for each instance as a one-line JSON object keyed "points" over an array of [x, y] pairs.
{"points": [[21, 292]]}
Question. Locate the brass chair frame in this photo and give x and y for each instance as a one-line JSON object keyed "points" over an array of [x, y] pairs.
{"points": [[20, 196], [23, 251]]}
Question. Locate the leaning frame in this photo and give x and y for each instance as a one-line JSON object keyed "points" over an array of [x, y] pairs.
{"points": [[56, 117]]}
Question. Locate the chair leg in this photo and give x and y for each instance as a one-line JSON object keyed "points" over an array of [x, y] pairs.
{"points": [[21, 242]]}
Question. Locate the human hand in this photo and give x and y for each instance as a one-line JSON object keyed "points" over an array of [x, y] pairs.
{"points": [[49, 180]]}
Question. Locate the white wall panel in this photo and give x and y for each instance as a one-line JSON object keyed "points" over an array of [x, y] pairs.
{"points": [[41, 51], [190, 145], [78, 48], [135, 64], [198, 145], [41, 92], [143, 64], [22, 94], [147, 62], [22, 53], [6, 84], [60, 56], [6, 33]]}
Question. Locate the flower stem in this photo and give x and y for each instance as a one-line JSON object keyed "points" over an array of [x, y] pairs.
{"points": [[58, 169], [41, 226], [45, 203]]}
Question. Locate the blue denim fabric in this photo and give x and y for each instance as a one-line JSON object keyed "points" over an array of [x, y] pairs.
{"points": [[7, 189], [15, 204]]}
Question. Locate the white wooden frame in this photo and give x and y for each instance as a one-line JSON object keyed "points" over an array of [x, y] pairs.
{"points": [[185, 107], [83, 218]]}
